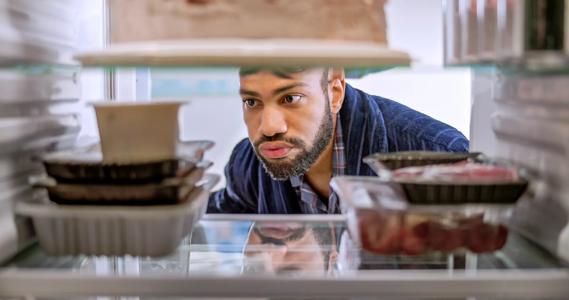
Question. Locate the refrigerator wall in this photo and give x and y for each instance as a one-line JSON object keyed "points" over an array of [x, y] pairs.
{"points": [[523, 118], [520, 106], [40, 89], [532, 127]]}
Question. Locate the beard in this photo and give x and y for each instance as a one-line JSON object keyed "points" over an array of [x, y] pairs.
{"points": [[286, 168]]}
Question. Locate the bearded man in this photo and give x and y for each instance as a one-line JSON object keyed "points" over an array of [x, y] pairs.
{"points": [[306, 126]]}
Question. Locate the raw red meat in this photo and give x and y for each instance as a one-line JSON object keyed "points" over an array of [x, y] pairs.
{"points": [[439, 237], [380, 233], [483, 238], [399, 233], [412, 244]]}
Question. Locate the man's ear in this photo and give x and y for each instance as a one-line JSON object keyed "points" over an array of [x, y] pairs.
{"points": [[337, 89]]}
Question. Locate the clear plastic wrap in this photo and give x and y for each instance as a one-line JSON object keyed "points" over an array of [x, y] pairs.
{"points": [[381, 221]]}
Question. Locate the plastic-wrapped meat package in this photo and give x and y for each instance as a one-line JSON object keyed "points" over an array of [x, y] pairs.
{"points": [[391, 233], [381, 221]]}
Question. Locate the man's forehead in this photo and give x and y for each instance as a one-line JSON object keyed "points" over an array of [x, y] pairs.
{"points": [[283, 73], [269, 83]]}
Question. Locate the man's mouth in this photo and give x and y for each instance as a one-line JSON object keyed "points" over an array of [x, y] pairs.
{"points": [[280, 231], [275, 150], [276, 232]]}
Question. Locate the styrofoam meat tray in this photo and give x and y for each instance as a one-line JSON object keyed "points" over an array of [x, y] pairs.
{"points": [[116, 230]]}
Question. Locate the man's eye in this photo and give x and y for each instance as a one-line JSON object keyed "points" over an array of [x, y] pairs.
{"points": [[291, 99], [250, 102]]}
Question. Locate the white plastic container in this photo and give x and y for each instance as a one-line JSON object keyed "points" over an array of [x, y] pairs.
{"points": [[138, 132], [106, 230]]}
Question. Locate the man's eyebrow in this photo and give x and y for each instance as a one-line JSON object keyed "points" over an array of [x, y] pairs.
{"points": [[249, 93], [288, 87]]}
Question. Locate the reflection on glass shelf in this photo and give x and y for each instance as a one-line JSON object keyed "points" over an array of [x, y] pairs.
{"points": [[232, 248], [518, 253]]}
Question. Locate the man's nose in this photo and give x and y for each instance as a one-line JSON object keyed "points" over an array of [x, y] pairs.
{"points": [[277, 253], [273, 122]]}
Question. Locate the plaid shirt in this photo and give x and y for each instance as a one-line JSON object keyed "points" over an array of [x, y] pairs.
{"points": [[310, 202]]}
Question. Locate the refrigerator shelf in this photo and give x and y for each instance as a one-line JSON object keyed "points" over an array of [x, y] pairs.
{"points": [[220, 251], [244, 52]]}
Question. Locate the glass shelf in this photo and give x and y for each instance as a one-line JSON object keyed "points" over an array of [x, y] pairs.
{"points": [[283, 254], [352, 71]]}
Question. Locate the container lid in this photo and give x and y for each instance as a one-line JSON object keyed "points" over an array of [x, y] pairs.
{"points": [[365, 192], [90, 156], [247, 52]]}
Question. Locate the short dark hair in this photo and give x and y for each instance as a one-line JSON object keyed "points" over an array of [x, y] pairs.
{"points": [[285, 72]]}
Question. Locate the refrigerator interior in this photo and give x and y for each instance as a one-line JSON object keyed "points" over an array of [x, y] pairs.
{"points": [[516, 114]]}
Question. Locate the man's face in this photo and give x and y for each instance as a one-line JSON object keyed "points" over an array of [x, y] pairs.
{"points": [[285, 248], [289, 120]]}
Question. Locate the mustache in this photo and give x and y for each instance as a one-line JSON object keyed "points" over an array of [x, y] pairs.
{"points": [[280, 137]]}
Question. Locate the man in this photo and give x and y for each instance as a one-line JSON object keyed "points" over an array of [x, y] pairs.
{"points": [[306, 126]]}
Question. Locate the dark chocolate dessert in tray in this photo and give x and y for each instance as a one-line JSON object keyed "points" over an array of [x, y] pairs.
{"points": [[88, 167], [403, 159], [169, 191], [440, 178]]}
